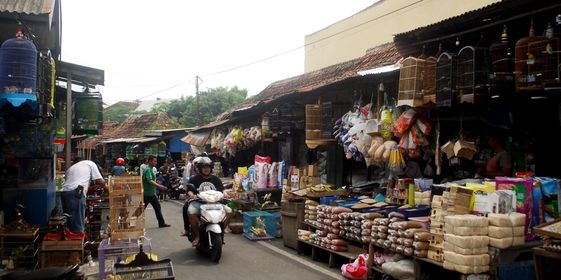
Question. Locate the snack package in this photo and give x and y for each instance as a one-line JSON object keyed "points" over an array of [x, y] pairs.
{"points": [[550, 190], [261, 171], [524, 191]]}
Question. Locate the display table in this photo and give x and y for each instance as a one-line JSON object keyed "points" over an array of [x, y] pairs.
{"points": [[547, 263]]}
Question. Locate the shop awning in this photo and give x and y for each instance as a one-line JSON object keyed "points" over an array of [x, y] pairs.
{"points": [[198, 138], [381, 70]]}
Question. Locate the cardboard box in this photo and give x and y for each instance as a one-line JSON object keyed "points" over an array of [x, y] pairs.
{"points": [[313, 170], [314, 180]]}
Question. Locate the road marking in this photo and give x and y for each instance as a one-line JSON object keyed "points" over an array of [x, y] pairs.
{"points": [[300, 260]]}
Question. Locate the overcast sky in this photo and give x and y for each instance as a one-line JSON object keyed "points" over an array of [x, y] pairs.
{"points": [[154, 49]]}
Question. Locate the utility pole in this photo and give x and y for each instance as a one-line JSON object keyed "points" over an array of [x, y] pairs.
{"points": [[197, 95]]}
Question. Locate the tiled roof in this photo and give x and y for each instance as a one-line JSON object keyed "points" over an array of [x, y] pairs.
{"points": [[382, 55], [135, 125]]}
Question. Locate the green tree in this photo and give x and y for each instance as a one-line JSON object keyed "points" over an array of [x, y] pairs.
{"points": [[211, 104]]}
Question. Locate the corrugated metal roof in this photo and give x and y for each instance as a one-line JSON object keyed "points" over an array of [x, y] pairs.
{"points": [[27, 6], [379, 56], [198, 138]]}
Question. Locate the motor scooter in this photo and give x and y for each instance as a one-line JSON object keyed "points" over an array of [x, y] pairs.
{"points": [[176, 188], [212, 222]]}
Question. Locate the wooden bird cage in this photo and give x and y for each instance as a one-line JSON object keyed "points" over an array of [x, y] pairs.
{"points": [[411, 82], [429, 80], [551, 53], [126, 207], [313, 122], [502, 65], [472, 70], [445, 81], [530, 62]]}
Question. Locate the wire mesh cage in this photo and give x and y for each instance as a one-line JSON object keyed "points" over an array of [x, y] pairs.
{"points": [[445, 81], [411, 82], [313, 121], [429, 80], [530, 62], [551, 53], [126, 207], [502, 65], [473, 74], [111, 252], [158, 270]]}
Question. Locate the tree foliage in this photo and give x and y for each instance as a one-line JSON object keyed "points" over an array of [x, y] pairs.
{"points": [[212, 103]]}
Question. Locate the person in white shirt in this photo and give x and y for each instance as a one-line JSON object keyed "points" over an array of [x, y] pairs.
{"points": [[187, 172], [143, 165], [74, 190]]}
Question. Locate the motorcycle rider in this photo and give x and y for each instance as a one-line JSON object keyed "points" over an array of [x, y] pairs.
{"points": [[119, 167], [202, 181]]}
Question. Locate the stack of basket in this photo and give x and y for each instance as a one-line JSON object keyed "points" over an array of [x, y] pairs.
{"points": [[126, 207]]}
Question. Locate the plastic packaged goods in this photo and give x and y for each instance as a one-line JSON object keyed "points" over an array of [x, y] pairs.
{"points": [[524, 190], [503, 243], [465, 269], [407, 225], [474, 251], [466, 221], [422, 236], [403, 269], [465, 231], [421, 245], [408, 242], [408, 251], [507, 220], [503, 232], [468, 260], [467, 242], [421, 253]]}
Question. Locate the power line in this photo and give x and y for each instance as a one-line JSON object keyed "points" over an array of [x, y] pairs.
{"points": [[162, 90], [316, 41]]}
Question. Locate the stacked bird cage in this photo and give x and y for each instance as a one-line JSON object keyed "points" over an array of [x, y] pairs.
{"points": [[529, 62], [313, 121], [473, 74], [411, 82], [445, 82], [429, 80], [502, 65], [126, 207]]}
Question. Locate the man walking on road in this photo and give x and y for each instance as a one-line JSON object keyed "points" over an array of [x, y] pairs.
{"points": [[149, 183]]}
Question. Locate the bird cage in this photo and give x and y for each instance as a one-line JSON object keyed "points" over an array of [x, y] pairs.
{"points": [[551, 52], [472, 70], [445, 87], [502, 64], [313, 121], [411, 82], [529, 62], [126, 207], [429, 80]]}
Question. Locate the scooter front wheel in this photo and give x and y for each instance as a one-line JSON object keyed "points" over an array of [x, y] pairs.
{"points": [[216, 249]]}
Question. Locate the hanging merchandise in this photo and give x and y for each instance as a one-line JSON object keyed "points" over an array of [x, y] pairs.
{"points": [[397, 162], [386, 122], [413, 128], [217, 140], [88, 113]]}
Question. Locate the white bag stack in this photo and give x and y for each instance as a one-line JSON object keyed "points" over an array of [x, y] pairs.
{"points": [[506, 230], [310, 211], [466, 244]]}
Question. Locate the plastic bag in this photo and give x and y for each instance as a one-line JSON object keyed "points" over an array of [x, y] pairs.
{"points": [[261, 171], [404, 122], [358, 270], [550, 191]]}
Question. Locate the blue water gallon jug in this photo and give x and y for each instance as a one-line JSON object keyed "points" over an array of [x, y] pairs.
{"points": [[18, 65]]}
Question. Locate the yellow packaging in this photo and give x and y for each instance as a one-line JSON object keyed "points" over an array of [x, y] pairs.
{"points": [[487, 187]]}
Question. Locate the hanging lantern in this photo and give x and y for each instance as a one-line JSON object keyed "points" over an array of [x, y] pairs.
{"points": [[88, 113]]}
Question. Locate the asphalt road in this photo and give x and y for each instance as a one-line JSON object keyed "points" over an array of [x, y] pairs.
{"points": [[241, 259]]}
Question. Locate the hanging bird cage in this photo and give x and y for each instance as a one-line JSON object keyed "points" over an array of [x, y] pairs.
{"points": [[502, 65], [551, 52], [529, 61], [411, 82], [88, 113], [313, 121], [472, 70], [445, 81], [429, 80]]}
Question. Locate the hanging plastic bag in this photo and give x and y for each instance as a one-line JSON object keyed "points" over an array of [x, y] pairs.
{"points": [[273, 175], [404, 122], [386, 123]]}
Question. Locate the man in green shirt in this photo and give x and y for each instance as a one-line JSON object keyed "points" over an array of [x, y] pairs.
{"points": [[149, 183]]}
